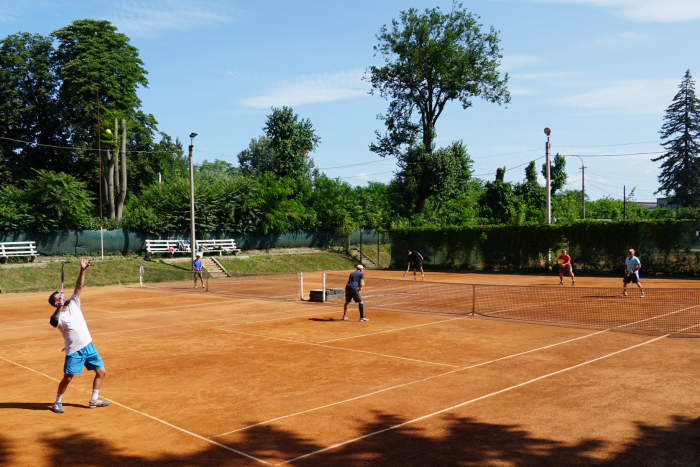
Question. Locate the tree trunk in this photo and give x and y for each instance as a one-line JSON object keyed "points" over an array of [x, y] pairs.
{"points": [[122, 193], [420, 204], [117, 185], [110, 183]]}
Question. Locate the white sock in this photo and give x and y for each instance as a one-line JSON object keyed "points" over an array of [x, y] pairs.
{"points": [[59, 397], [94, 394]]}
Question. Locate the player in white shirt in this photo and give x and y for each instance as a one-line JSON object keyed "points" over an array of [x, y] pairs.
{"points": [[68, 318]]}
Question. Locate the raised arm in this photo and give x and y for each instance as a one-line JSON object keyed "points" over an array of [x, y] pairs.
{"points": [[84, 264]]}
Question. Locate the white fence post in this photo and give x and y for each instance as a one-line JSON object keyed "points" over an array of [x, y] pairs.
{"points": [[301, 286], [324, 288]]}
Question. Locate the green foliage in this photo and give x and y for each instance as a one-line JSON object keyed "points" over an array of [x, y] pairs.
{"points": [[429, 60], [90, 55], [498, 202], [258, 157], [291, 139], [29, 108], [443, 173], [680, 170], [557, 173]]}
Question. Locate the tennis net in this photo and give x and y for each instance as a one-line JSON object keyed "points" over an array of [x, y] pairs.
{"points": [[274, 286], [674, 311]]}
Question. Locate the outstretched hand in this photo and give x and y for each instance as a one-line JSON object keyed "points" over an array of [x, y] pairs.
{"points": [[85, 263]]}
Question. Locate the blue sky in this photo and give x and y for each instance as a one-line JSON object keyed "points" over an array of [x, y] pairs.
{"points": [[599, 73]]}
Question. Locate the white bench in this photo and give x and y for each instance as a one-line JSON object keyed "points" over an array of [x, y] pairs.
{"points": [[8, 249], [167, 246], [222, 246]]}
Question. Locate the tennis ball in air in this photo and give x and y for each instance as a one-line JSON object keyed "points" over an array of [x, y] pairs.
{"points": [[108, 131]]}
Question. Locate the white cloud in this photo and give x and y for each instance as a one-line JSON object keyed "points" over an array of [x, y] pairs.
{"points": [[644, 11], [636, 97], [362, 176], [310, 89], [146, 19], [619, 39], [511, 62]]}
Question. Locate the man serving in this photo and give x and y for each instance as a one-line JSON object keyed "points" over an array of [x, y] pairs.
{"points": [[68, 318]]}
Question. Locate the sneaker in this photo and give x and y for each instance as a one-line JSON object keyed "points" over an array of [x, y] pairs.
{"points": [[573, 283], [99, 403], [57, 407], [364, 319], [623, 294], [195, 286], [642, 296], [561, 283], [414, 277], [422, 278], [345, 318]]}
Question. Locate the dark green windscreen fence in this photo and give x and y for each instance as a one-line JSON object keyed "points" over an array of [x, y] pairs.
{"points": [[664, 247]]}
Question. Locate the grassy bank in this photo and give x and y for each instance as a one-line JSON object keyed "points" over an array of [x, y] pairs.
{"points": [[125, 270]]}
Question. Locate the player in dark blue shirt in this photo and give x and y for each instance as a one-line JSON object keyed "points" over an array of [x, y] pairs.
{"points": [[417, 260], [352, 292]]}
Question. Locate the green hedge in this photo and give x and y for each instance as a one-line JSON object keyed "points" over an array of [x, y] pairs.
{"points": [[665, 247]]}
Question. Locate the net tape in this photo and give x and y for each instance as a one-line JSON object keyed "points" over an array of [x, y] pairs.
{"points": [[675, 311]]}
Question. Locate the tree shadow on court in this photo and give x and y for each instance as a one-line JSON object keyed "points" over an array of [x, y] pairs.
{"points": [[35, 406], [4, 451], [459, 441]]}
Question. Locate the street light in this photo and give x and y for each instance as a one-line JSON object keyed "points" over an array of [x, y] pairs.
{"points": [[548, 132], [192, 240]]}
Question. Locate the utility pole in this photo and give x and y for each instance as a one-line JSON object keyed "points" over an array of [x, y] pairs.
{"points": [[583, 188], [547, 132], [99, 152], [624, 202], [192, 241]]}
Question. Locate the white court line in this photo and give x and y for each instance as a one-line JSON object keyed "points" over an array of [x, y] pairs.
{"points": [[411, 382], [470, 401], [336, 348], [183, 324], [396, 329], [112, 401], [660, 316]]}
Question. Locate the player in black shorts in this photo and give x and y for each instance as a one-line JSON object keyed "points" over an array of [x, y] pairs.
{"points": [[352, 292], [417, 260]]}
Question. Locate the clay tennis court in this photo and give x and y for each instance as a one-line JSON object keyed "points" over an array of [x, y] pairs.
{"points": [[201, 378]]}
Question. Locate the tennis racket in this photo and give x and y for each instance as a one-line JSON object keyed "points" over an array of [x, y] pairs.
{"points": [[63, 274], [404, 274]]}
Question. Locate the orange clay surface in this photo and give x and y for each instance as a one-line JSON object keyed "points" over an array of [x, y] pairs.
{"points": [[199, 378]]}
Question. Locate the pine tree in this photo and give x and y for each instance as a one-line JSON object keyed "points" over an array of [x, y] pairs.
{"points": [[680, 171]]}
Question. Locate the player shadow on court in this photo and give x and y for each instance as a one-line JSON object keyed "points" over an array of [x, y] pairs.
{"points": [[36, 406], [464, 441], [325, 319]]}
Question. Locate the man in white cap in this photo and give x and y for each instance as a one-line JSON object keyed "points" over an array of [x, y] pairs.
{"points": [[197, 268], [632, 267], [352, 292]]}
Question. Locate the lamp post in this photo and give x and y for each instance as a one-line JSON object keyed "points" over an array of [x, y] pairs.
{"points": [[547, 132], [583, 186], [192, 240]]}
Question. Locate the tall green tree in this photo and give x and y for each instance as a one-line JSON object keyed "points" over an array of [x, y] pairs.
{"points": [[680, 170], [29, 108], [258, 157], [557, 173], [430, 59], [532, 196], [92, 55], [291, 140], [444, 173]]}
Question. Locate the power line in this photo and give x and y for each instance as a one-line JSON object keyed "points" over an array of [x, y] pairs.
{"points": [[612, 155], [77, 149]]}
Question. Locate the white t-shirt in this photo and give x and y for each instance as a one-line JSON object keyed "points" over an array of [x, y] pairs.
{"points": [[72, 325]]}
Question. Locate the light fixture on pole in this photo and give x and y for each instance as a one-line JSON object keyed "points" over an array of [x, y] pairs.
{"points": [[548, 132], [192, 241]]}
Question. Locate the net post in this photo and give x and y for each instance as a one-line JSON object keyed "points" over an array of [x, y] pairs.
{"points": [[323, 299], [301, 286], [140, 276], [473, 299], [206, 285]]}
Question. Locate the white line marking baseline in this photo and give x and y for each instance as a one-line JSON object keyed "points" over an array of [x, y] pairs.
{"points": [[471, 401], [149, 416], [336, 348], [412, 382]]}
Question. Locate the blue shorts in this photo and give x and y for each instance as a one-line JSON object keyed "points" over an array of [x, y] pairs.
{"points": [[633, 278], [87, 356]]}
